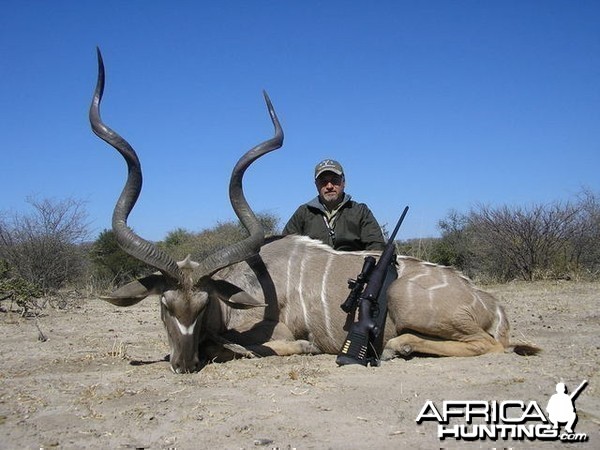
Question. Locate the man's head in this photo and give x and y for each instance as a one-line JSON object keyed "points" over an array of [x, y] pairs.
{"points": [[330, 182]]}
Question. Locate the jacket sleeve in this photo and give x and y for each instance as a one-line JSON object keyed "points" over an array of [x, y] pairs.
{"points": [[370, 232], [296, 223]]}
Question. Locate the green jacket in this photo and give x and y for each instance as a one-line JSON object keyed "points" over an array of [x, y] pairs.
{"points": [[354, 226]]}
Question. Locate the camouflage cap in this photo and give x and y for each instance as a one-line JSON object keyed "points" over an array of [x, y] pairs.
{"points": [[328, 165]]}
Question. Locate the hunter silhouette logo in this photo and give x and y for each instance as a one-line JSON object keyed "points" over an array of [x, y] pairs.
{"points": [[561, 406], [471, 420]]}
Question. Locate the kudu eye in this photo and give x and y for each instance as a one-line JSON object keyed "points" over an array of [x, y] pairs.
{"points": [[168, 302]]}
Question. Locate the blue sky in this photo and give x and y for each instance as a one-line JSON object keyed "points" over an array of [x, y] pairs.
{"points": [[438, 105]]}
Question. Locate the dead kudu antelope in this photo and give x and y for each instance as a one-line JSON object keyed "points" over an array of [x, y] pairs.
{"points": [[283, 297]]}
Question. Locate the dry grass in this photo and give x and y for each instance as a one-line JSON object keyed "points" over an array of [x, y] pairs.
{"points": [[119, 350]]}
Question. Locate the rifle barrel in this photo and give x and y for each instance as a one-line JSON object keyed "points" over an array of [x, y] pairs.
{"points": [[393, 235], [578, 390]]}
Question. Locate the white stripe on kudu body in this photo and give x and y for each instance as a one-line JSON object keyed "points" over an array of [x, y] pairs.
{"points": [[324, 299], [303, 264]]}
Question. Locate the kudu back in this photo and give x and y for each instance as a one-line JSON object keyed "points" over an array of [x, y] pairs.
{"points": [[283, 296]]}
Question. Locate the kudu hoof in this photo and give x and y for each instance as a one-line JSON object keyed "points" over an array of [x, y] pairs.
{"points": [[406, 350]]}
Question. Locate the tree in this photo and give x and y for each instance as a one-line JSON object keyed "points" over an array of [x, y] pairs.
{"points": [[554, 240], [455, 248], [43, 247], [585, 244], [113, 264], [180, 242], [523, 242]]}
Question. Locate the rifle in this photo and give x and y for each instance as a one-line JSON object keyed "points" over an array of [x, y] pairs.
{"points": [[357, 286], [356, 348], [577, 391]]}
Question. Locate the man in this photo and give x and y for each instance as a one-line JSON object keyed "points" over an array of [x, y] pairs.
{"points": [[561, 408], [333, 217]]}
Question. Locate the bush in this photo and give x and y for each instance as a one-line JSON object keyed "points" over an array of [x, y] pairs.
{"points": [[43, 248], [555, 240], [111, 265], [20, 291], [425, 249], [180, 242]]}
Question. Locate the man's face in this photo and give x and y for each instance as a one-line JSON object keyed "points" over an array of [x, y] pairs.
{"points": [[331, 188]]}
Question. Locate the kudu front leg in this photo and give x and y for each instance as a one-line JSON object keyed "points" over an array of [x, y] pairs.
{"points": [[268, 338]]}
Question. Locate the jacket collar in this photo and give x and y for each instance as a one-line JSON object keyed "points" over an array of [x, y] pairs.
{"points": [[316, 204]]}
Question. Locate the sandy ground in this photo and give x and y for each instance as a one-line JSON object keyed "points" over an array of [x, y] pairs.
{"points": [[100, 381]]}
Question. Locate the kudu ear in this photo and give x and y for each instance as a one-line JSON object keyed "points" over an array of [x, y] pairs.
{"points": [[137, 290], [234, 296]]}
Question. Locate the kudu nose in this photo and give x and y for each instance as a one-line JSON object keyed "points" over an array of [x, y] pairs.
{"points": [[186, 366]]}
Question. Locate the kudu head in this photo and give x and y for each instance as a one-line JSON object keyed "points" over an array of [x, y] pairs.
{"points": [[183, 286]]}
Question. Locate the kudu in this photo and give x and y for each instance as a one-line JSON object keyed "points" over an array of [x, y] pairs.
{"points": [[282, 296]]}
